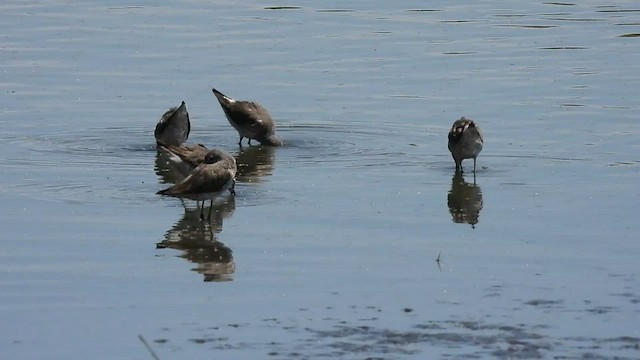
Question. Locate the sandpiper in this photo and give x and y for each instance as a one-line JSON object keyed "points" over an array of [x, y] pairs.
{"points": [[250, 119], [465, 142], [208, 180], [192, 155], [174, 126]]}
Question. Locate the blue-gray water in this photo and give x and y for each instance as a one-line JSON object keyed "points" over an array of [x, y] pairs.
{"points": [[329, 247]]}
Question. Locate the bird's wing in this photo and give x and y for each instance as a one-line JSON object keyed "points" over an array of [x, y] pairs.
{"points": [[249, 114], [191, 154], [206, 178]]}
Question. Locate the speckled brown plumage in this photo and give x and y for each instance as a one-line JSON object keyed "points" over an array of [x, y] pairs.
{"points": [[208, 180], [250, 119], [465, 142]]}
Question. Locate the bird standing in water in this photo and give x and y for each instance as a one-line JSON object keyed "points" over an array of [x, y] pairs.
{"points": [[208, 180], [250, 119], [465, 142]]}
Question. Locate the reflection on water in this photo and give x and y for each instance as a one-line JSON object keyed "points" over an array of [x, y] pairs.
{"points": [[464, 200], [197, 240], [169, 171], [553, 81], [254, 162]]}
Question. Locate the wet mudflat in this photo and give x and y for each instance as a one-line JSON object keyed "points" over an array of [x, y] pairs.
{"points": [[329, 247]]}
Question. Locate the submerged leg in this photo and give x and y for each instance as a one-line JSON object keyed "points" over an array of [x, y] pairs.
{"points": [[455, 160], [458, 165], [232, 189], [211, 237], [210, 208]]}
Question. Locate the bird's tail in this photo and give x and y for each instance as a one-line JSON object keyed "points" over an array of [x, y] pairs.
{"points": [[174, 152], [223, 99]]}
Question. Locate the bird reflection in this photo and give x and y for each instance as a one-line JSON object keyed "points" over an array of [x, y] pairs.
{"points": [[168, 170], [198, 243], [254, 162], [464, 200]]}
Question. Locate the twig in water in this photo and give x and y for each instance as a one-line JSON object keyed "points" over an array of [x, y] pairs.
{"points": [[146, 344]]}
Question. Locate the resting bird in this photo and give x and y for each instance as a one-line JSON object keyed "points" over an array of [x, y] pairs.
{"points": [[250, 119], [211, 178], [174, 126], [192, 155], [465, 142]]}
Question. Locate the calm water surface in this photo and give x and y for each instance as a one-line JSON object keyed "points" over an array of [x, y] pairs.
{"points": [[329, 247]]}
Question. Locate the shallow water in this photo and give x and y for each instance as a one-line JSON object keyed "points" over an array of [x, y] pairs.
{"points": [[329, 247]]}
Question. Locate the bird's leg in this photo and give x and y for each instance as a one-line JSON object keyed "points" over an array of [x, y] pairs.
{"points": [[458, 165], [232, 189], [202, 212], [211, 237], [474, 166], [249, 141], [210, 208], [240, 141]]}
